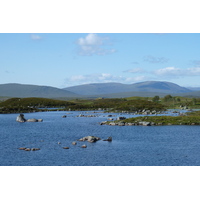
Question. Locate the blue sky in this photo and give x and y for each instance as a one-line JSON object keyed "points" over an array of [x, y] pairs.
{"points": [[67, 59]]}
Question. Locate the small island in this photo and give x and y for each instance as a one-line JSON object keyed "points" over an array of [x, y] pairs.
{"points": [[189, 118]]}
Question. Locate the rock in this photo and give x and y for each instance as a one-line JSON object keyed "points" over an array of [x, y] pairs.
{"points": [[32, 120], [21, 118], [130, 124], [65, 147], [90, 139], [121, 118], [84, 146], [74, 143], [112, 124], [121, 124], [22, 148], [64, 116], [109, 139], [145, 123], [27, 149], [35, 149], [110, 119], [103, 123]]}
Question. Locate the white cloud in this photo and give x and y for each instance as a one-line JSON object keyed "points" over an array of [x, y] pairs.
{"points": [[101, 78], [35, 37], [92, 44], [173, 71]]}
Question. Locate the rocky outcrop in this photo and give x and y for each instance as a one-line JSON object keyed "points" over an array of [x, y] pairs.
{"points": [[29, 149], [21, 118]]}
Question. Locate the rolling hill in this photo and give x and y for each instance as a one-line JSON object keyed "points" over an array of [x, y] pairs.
{"points": [[21, 90], [109, 88]]}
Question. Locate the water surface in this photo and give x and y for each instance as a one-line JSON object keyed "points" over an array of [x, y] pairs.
{"points": [[131, 145]]}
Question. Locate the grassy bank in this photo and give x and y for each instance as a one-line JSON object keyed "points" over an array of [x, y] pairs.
{"points": [[192, 118]]}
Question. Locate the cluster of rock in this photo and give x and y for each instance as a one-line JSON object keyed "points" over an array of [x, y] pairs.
{"points": [[90, 139], [81, 115], [93, 139], [21, 118], [29, 149], [142, 123]]}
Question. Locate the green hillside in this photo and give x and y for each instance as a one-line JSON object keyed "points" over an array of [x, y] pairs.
{"points": [[17, 105], [21, 90]]}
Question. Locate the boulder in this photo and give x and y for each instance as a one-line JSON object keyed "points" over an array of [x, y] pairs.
{"points": [[32, 120], [109, 139], [144, 123], [84, 146], [65, 147], [112, 124], [74, 143], [121, 118], [22, 148], [21, 118], [35, 149], [103, 123]]}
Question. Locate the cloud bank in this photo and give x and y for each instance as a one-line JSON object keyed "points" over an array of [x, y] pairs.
{"points": [[101, 78]]}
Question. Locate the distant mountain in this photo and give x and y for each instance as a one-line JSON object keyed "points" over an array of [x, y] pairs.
{"points": [[21, 90], [194, 88], [109, 88]]}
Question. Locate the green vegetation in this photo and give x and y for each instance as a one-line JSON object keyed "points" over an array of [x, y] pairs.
{"points": [[17, 105], [192, 118], [131, 104], [117, 105]]}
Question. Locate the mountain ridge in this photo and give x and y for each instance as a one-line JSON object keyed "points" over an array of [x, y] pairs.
{"points": [[26, 90], [95, 90], [108, 88]]}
